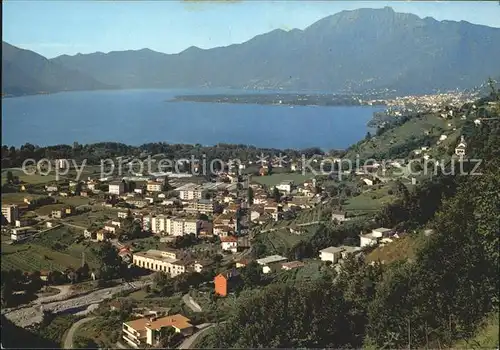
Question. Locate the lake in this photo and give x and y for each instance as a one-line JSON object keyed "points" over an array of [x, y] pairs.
{"points": [[135, 117]]}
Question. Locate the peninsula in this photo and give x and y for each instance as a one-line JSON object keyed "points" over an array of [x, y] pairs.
{"points": [[290, 99]]}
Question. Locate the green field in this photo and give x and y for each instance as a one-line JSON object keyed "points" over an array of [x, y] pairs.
{"points": [[74, 201], [275, 179], [370, 201], [485, 338], [16, 198], [310, 272], [39, 254], [398, 136], [47, 209], [30, 179]]}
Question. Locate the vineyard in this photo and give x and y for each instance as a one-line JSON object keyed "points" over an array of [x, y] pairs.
{"points": [[30, 257], [56, 249]]}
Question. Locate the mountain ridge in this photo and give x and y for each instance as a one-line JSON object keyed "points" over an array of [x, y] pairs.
{"points": [[25, 72], [350, 51]]}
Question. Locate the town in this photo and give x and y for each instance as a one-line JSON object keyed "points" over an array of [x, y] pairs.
{"points": [[195, 242]]}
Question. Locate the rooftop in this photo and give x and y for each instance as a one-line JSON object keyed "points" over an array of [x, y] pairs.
{"points": [[157, 255], [381, 229], [332, 250], [178, 321], [271, 259], [187, 187], [350, 249]]}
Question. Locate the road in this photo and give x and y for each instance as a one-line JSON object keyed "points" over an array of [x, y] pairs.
{"points": [[68, 341], [193, 305], [72, 225], [188, 342], [300, 225], [32, 314]]}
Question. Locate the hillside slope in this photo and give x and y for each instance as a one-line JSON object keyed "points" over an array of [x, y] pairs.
{"points": [[26, 72]]}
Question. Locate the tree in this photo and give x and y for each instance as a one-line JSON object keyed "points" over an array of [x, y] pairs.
{"points": [[80, 342], [203, 217], [166, 337], [10, 177], [111, 265], [276, 195], [250, 195], [251, 275], [166, 184], [78, 188], [368, 136], [131, 228], [7, 293]]}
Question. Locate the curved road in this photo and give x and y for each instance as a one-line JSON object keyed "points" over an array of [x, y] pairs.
{"points": [[188, 342], [68, 341], [193, 305]]}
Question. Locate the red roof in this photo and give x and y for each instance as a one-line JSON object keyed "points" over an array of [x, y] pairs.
{"points": [[229, 239]]}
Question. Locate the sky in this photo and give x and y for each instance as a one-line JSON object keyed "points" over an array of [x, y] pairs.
{"points": [[53, 28]]}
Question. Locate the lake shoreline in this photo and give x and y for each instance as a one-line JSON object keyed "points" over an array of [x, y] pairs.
{"points": [[136, 117]]}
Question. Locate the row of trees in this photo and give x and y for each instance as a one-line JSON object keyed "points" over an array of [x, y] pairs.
{"points": [[14, 157]]}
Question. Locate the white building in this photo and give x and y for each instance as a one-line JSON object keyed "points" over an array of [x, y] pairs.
{"points": [[146, 331], [154, 186], [190, 191], [122, 214], [117, 188], [461, 147], [10, 212], [332, 254], [22, 233], [367, 240], [381, 232], [167, 261], [162, 224], [229, 243], [285, 186], [372, 238], [270, 262]]}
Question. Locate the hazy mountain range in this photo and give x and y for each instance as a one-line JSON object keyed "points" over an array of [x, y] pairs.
{"points": [[25, 72], [351, 50]]}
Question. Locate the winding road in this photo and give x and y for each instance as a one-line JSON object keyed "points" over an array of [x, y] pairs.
{"points": [[188, 342], [193, 305], [68, 341]]}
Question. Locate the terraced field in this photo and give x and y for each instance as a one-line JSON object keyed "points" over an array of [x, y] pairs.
{"points": [[55, 250]]}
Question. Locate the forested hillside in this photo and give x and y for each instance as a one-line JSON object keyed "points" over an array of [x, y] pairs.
{"points": [[440, 297]]}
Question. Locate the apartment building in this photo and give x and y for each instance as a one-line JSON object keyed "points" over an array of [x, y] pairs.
{"points": [[190, 192], [201, 206], [138, 333], [166, 261], [123, 214], [22, 233], [10, 212], [161, 224], [116, 187], [154, 186], [285, 186]]}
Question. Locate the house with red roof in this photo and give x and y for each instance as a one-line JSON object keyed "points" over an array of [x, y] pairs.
{"points": [[229, 243]]}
